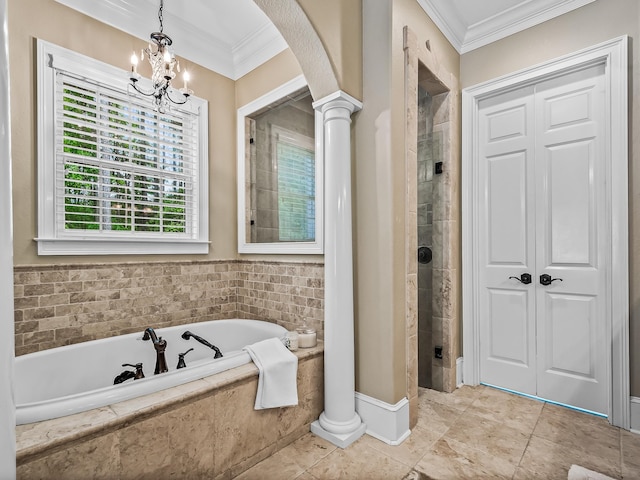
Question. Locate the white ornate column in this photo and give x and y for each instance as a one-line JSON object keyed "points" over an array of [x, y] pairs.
{"points": [[339, 423]]}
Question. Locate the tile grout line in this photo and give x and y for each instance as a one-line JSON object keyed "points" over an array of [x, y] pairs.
{"points": [[528, 441], [621, 455]]}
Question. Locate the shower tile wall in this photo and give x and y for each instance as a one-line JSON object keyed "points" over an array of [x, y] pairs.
{"points": [[427, 147], [438, 116]]}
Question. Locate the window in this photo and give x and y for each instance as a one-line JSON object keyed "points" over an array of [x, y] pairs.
{"points": [[115, 176], [296, 186]]}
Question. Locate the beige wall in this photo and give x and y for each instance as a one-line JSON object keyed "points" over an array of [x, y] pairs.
{"points": [[268, 76], [338, 23], [586, 26], [50, 21]]}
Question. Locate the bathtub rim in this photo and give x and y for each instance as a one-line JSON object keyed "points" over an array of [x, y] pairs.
{"points": [[41, 438], [84, 400]]}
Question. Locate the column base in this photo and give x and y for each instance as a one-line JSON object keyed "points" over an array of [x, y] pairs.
{"points": [[342, 440]]}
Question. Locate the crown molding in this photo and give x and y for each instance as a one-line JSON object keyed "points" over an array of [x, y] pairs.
{"points": [[447, 19], [257, 48], [466, 38], [525, 15], [190, 43]]}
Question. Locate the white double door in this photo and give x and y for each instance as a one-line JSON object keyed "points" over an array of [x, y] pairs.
{"points": [[543, 183]]}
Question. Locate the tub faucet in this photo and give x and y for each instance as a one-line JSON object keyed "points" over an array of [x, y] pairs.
{"points": [[160, 345], [127, 374], [187, 335]]}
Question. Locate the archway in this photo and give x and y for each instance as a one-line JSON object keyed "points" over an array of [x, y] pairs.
{"points": [[303, 40]]}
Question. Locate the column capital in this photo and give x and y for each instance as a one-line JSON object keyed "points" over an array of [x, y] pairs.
{"points": [[338, 99]]}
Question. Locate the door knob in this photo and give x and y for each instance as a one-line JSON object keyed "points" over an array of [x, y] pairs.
{"points": [[525, 278], [546, 279]]}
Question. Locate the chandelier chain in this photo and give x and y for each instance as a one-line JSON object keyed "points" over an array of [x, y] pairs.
{"points": [[160, 11]]}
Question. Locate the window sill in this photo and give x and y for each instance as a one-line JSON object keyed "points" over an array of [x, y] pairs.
{"points": [[89, 246]]}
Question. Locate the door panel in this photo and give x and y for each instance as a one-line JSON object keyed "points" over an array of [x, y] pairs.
{"points": [[508, 327], [570, 228], [507, 191], [570, 203], [507, 345], [508, 354], [571, 337], [542, 152]]}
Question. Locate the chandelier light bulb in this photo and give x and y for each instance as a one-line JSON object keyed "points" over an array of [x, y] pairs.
{"points": [[134, 62]]}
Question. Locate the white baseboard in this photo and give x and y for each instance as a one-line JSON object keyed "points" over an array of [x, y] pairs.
{"points": [[386, 422], [635, 414], [459, 370]]}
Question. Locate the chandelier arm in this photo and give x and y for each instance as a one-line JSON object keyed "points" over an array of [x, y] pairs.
{"points": [[134, 84], [184, 95]]}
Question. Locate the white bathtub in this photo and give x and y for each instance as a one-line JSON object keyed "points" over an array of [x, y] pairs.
{"points": [[75, 378]]}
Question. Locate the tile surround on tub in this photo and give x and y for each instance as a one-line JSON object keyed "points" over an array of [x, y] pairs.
{"points": [[203, 429], [59, 305]]}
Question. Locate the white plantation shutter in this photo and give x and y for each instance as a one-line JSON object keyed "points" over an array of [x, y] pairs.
{"points": [[118, 170], [121, 166]]}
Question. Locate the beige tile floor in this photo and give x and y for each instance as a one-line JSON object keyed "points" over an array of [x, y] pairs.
{"points": [[475, 432]]}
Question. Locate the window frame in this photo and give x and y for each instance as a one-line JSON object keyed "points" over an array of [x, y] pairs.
{"points": [[51, 240]]}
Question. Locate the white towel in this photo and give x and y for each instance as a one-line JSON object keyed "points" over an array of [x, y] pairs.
{"points": [[277, 385]]}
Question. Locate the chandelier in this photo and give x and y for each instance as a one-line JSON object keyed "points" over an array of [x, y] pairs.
{"points": [[163, 66]]}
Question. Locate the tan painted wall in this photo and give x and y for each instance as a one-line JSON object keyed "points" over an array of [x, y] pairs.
{"points": [[594, 23], [338, 23], [379, 199], [268, 76], [53, 22]]}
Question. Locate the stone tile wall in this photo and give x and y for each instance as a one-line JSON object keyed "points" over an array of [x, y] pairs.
{"points": [[428, 153], [289, 294], [59, 305]]}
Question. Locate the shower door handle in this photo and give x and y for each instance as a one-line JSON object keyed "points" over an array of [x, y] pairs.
{"points": [[525, 278]]}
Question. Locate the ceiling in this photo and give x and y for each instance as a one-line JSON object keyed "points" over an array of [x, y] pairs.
{"points": [[232, 37]]}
